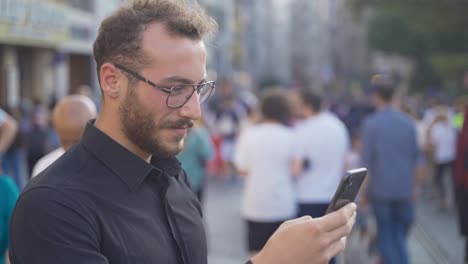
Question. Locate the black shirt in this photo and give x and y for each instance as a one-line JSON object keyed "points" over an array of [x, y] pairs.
{"points": [[100, 203]]}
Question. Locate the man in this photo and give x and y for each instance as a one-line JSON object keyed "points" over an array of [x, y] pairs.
{"points": [[322, 141], [390, 152], [8, 130], [69, 119], [120, 196]]}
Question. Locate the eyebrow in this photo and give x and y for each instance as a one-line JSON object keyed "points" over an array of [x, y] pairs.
{"points": [[179, 79]]}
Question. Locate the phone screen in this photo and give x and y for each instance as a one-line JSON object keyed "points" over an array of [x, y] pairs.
{"points": [[348, 189]]}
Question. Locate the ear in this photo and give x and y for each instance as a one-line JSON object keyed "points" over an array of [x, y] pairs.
{"points": [[110, 77]]}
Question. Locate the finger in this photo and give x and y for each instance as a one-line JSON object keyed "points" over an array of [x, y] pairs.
{"points": [[338, 218], [295, 221], [342, 231], [335, 248]]}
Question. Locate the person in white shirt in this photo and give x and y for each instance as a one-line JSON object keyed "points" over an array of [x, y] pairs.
{"points": [[69, 118], [265, 155], [442, 136], [323, 142]]}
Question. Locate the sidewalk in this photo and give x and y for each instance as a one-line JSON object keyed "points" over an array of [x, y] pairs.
{"points": [[434, 238], [226, 242], [437, 231]]}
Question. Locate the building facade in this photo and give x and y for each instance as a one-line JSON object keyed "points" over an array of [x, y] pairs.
{"points": [[46, 47]]}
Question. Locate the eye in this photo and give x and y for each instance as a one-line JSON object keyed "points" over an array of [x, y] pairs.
{"points": [[178, 90]]}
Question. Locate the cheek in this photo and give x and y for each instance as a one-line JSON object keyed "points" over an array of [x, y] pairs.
{"points": [[153, 104]]}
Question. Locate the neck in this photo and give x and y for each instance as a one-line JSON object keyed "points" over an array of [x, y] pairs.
{"points": [[382, 105], [309, 114], [270, 121], [112, 128]]}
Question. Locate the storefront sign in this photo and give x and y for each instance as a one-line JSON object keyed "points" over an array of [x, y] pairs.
{"points": [[32, 22]]}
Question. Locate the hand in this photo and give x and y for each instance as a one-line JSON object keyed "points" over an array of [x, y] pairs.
{"points": [[309, 241]]}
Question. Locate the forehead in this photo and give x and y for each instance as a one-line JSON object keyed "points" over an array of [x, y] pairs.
{"points": [[166, 48]]}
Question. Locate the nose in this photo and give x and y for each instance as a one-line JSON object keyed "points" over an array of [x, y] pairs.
{"points": [[192, 109]]}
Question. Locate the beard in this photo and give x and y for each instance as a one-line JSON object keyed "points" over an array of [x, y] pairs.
{"points": [[139, 127]]}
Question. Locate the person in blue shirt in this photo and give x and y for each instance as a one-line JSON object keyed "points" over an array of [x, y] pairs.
{"points": [[8, 195], [390, 153], [197, 152]]}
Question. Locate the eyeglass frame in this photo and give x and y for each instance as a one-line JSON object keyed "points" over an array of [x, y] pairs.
{"points": [[196, 87]]}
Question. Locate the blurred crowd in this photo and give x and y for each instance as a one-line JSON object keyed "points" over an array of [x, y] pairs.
{"points": [[292, 146]]}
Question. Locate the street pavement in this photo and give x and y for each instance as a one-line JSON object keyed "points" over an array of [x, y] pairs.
{"points": [[434, 238]]}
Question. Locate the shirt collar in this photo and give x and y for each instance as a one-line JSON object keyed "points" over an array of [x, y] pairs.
{"points": [[129, 167], [387, 108]]}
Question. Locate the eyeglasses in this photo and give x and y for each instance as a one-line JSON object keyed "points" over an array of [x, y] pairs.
{"points": [[178, 95]]}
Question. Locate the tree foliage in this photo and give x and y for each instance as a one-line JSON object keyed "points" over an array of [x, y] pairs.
{"points": [[433, 33]]}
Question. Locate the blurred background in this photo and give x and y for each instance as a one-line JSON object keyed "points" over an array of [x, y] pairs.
{"points": [[333, 47]]}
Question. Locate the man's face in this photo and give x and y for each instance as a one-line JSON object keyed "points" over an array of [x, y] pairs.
{"points": [[145, 118]]}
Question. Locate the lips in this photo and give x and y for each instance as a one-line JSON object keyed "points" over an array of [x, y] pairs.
{"points": [[180, 131], [180, 124], [179, 127]]}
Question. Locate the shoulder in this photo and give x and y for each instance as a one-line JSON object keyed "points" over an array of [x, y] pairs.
{"points": [[372, 119], [286, 132], [250, 132], [334, 121], [59, 168], [7, 185], [46, 206], [405, 119], [39, 197], [51, 220]]}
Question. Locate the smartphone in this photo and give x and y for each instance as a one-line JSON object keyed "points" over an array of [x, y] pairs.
{"points": [[348, 189]]}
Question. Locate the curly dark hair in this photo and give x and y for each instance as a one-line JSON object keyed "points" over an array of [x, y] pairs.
{"points": [[120, 35]]}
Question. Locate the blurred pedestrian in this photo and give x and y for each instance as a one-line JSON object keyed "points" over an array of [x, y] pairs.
{"points": [[69, 119], [265, 156], [459, 117], [353, 161], [461, 182], [8, 195], [421, 135], [13, 159], [390, 152], [228, 111], [435, 106], [8, 189], [198, 150], [442, 140], [120, 195], [37, 138], [322, 142]]}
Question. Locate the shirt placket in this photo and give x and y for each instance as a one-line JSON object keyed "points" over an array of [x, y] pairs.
{"points": [[163, 187]]}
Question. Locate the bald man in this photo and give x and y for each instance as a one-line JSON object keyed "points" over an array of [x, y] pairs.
{"points": [[69, 118]]}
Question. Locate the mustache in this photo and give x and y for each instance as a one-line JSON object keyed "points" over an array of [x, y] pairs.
{"points": [[179, 124]]}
